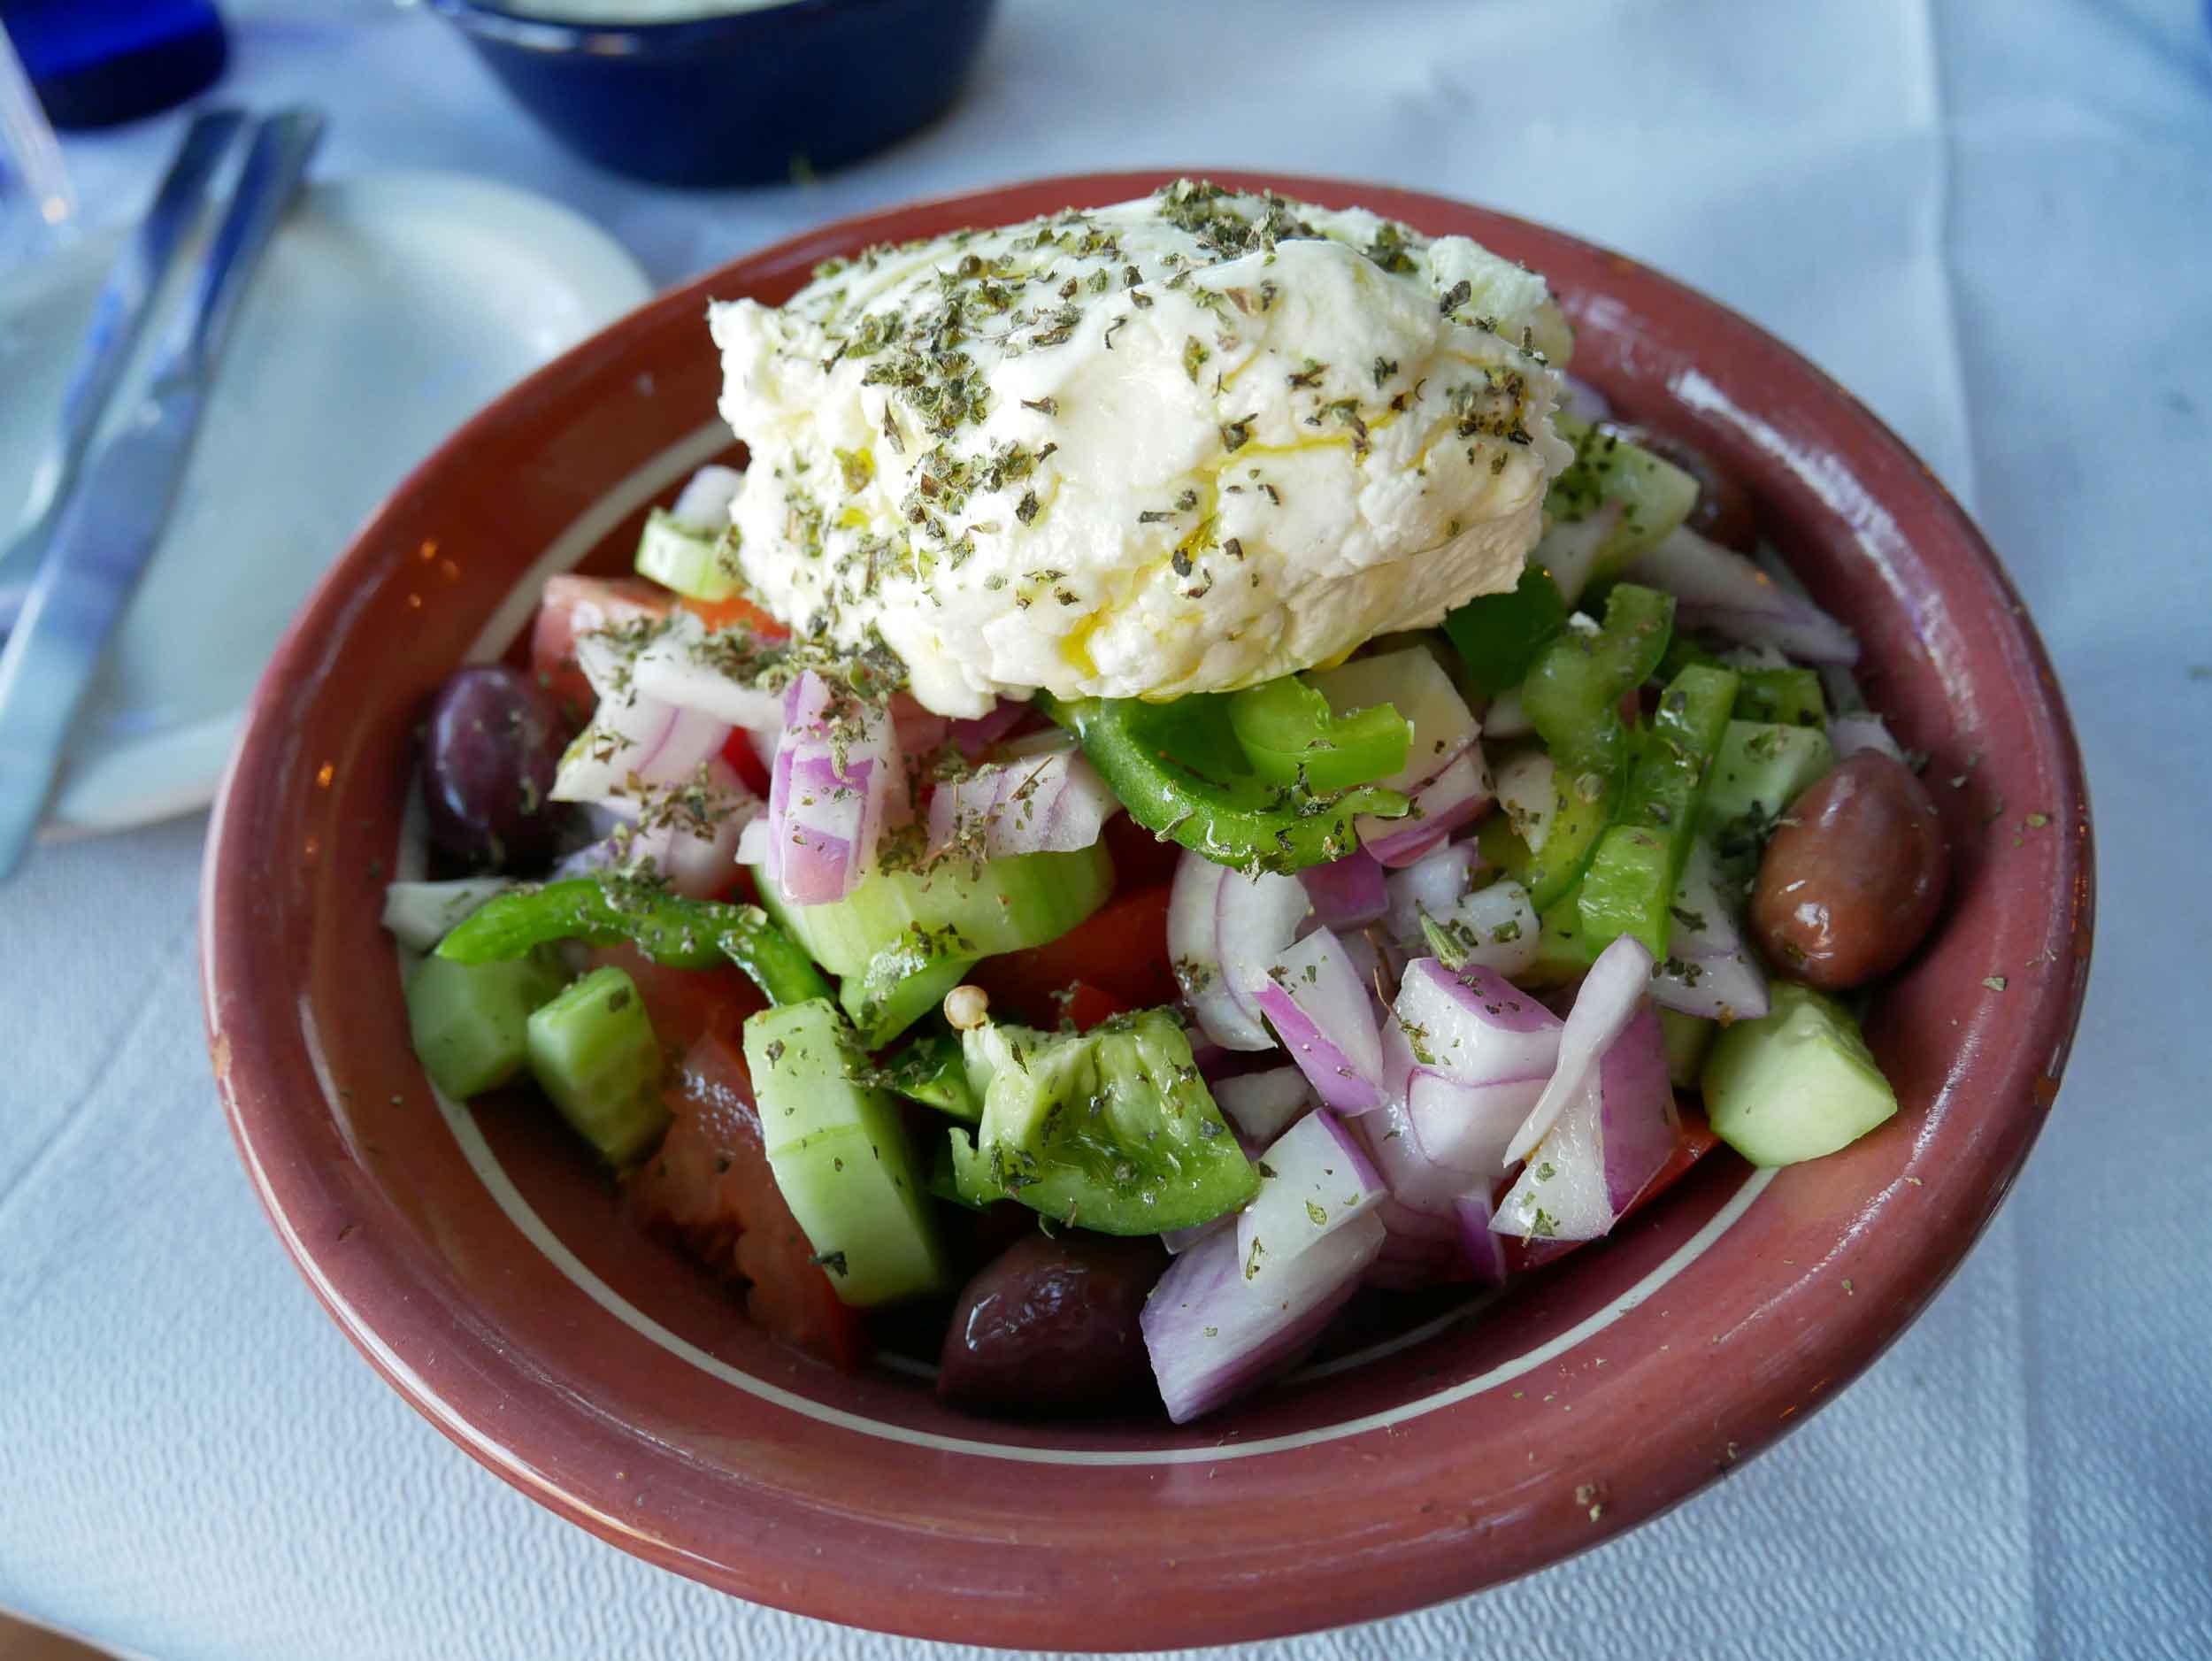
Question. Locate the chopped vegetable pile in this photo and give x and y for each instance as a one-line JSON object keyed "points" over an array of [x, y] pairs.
{"points": [[1139, 1039]]}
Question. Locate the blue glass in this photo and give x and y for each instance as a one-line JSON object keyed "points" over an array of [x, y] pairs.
{"points": [[98, 62]]}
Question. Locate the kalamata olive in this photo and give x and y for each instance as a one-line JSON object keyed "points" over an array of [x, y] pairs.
{"points": [[489, 751], [1050, 1326], [1723, 511], [1851, 880]]}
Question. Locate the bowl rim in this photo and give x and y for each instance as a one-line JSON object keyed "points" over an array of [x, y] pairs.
{"points": [[628, 37], [278, 1148]]}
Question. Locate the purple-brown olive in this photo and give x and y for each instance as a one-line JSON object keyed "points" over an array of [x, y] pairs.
{"points": [[1853, 877], [1722, 512], [490, 748], [1050, 1327]]}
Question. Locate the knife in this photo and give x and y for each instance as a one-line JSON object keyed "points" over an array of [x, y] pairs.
{"points": [[115, 517], [119, 318]]}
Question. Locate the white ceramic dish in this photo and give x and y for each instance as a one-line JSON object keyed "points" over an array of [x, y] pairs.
{"points": [[391, 307]]}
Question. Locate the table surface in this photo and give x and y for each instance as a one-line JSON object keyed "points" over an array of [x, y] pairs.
{"points": [[1997, 234]]}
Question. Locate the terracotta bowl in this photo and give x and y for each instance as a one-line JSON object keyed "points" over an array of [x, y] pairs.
{"points": [[478, 1262]]}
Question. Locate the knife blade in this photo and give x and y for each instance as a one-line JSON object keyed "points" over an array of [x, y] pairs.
{"points": [[118, 317], [114, 519]]}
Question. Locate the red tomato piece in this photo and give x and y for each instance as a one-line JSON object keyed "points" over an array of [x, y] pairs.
{"points": [[1119, 953], [737, 611], [572, 605], [710, 1187], [1141, 860], [745, 762]]}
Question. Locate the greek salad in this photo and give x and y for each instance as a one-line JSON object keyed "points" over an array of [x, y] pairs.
{"points": [[1196, 781]]}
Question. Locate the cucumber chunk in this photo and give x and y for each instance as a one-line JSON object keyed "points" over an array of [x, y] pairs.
{"points": [[1797, 1083], [1656, 497], [693, 560], [838, 1151], [469, 1022], [1760, 768], [1002, 905], [902, 984], [593, 1052]]}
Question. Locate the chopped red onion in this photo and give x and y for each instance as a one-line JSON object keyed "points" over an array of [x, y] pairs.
{"points": [[922, 731], [977, 733], [1050, 803], [1316, 1179], [1505, 718], [1578, 398], [634, 739], [1482, 1248], [1224, 929], [704, 502], [1261, 1104], [1494, 928], [1432, 883], [1475, 1027], [1569, 551], [1608, 1143], [1347, 893], [834, 772], [693, 844], [1708, 972], [1320, 1006], [1851, 733], [1212, 1334], [1456, 797], [673, 667], [1718, 590], [1608, 998], [1181, 1240], [1528, 795]]}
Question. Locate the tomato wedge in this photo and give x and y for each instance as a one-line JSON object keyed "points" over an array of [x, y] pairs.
{"points": [[737, 611], [574, 605], [710, 1187], [1119, 953]]}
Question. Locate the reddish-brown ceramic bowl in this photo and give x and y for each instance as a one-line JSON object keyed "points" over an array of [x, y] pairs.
{"points": [[478, 1263]]}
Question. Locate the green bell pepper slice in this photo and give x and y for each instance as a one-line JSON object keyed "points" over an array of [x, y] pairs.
{"points": [[1289, 736], [1572, 698], [1500, 636], [1180, 772], [1633, 875], [666, 927]]}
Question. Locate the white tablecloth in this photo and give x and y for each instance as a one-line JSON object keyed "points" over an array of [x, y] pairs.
{"points": [[1993, 220]]}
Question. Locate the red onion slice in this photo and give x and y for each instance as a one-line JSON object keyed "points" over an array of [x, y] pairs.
{"points": [[1851, 733], [1181, 1240], [1607, 1000], [1213, 1335], [1483, 1249], [1347, 893], [1320, 1006], [1432, 883], [691, 842], [1475, 1027], [677, 667], [1262, 1106], [1317, 1180], [1570, 549], [1720, 591], [834, 772], [704, 502], [1708, 972], [633, 741], [1608, 1143], [1494, 928], [977, 733], [1528, 795], [1224, 928], [1051, 803], [1455, 798]]}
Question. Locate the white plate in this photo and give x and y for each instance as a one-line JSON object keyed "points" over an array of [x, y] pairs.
{"points": [[390, 309]]}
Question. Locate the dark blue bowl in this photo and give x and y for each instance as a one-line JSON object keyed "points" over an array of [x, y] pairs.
{"points": [[747, 97]]}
